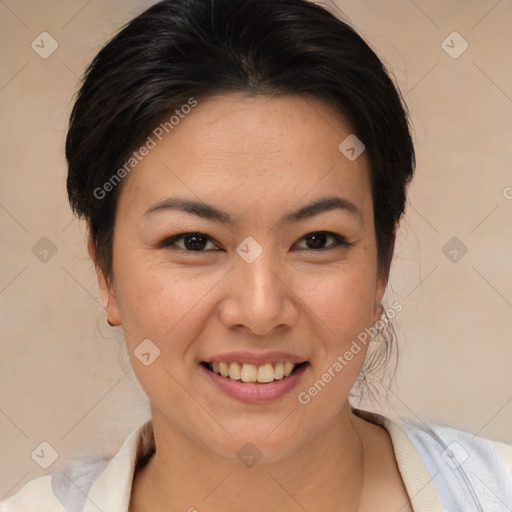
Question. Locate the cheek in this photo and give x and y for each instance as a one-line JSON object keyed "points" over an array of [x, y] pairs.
{"points": [[342, 303], [342, 298], [162, 303], [342, 308], [169, 308]]}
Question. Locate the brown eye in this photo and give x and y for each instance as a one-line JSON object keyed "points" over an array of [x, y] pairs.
{"points": [[198, 242], [317, 240], [192, 242]]}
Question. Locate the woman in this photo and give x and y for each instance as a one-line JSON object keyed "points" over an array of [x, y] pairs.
{"points": [[242, 167]]}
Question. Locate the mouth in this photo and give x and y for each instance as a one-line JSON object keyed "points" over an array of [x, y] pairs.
{"points": [[256, 374], [255, 377]]}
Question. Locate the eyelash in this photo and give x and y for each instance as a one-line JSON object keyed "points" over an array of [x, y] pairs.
{"points": [[339, 241]]}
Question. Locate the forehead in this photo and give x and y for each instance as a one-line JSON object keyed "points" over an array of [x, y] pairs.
{"points": [[241, 151]]}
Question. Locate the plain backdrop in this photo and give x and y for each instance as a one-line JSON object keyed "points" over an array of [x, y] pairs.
{"points": [[64, 376]]}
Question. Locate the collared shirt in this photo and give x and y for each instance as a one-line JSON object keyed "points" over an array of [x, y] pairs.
{"points": [[443, 469]]}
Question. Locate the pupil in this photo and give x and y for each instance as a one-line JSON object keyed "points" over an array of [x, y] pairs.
{"points": [[198, 242], [317, 239]]}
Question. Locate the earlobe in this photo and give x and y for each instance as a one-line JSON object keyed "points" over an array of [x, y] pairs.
{"points": [[379, 309], [383, 282], [108, 299], [107, 293]]}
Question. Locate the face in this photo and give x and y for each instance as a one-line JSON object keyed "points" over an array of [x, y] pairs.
{"points": [[249, 275]]}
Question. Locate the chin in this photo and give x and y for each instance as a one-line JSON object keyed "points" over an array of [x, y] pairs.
{"points": [[267, 439]]}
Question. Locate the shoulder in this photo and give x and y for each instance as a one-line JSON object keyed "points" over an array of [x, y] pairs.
{"points": [[504, 450], [64, 490], [465, 464], [34, 495], [467, 470], [81, 484], [456, 448]]}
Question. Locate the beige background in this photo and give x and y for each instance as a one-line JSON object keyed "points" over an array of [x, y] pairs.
{"points": [[64, 377]]}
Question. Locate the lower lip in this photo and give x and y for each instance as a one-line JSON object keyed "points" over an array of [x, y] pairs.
{"points": [[253, 392]]}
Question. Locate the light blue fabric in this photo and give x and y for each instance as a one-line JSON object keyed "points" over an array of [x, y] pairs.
{"points": [[469, 474], [71, 484]]}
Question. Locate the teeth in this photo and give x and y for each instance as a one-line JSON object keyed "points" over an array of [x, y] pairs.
{"points": [[288, 367], [224, 369], [251, 373], [279, 371], [266, 373], [235, 371]]}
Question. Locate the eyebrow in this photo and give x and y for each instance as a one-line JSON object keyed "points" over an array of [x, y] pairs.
{"points": [[210, 212]]}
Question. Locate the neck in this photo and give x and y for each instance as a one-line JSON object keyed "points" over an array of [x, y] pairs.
{"points": [[326, 473]]}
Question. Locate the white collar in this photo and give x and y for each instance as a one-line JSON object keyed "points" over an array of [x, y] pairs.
{"points": [[415, 475], [112, 489]]}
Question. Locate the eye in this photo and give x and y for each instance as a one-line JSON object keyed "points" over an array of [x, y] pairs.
{"points": [[193, 242], [317, 240], [197, 242]]}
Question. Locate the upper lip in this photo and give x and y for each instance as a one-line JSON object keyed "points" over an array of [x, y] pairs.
{"points": [[256, 358]]}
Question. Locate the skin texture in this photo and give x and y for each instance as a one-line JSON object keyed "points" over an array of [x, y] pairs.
{"points": [[257, 158]]}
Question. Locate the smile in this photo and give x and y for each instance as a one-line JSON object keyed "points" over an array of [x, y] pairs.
{"points": [[253, 383], [247, 372]]}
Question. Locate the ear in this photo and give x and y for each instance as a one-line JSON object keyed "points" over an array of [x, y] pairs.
{"points": [[382, 281], [107, 289]]}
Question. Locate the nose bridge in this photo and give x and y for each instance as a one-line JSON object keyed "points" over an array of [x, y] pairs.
{"points": [[261, 285], [259, 297]]}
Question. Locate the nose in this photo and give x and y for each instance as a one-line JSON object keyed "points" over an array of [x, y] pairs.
{"points": [[260, 297]]}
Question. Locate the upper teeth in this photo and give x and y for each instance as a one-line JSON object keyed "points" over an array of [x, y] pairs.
{"points": [[252, 373]]}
